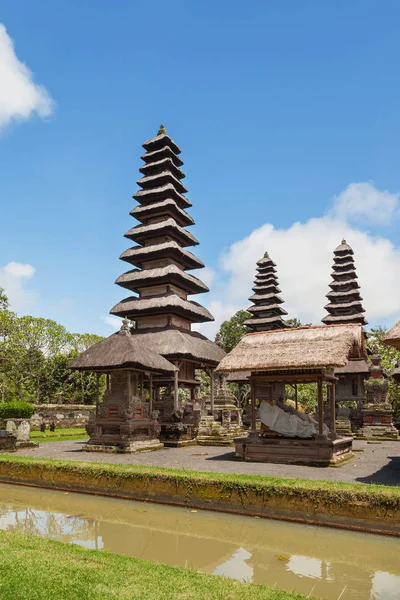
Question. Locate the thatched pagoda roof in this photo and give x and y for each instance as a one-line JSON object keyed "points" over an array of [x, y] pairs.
{"points": [[159, 141], [156, 155], [176, 343], [136, 279], [344, 249], [328, 346], [121, 351], [166, 227], [160, 193], [165, 208], [138, 255], [166, 163], [161, 179], [392, 338], [134, 307]]}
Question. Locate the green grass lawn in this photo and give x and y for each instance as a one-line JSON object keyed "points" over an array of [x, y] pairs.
{"points": [[36, 569], [59, 435]]}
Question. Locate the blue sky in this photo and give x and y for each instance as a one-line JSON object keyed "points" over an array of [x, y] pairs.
{"points": [[278, 107]]}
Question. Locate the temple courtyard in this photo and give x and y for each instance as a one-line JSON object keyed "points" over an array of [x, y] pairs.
{"points": [[377, 462]]}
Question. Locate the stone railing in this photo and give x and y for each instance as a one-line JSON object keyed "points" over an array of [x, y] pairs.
{"points": [[64, 416]]}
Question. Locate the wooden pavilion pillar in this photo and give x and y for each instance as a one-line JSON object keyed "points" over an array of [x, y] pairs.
{"points": [[320, 411], [253, 430], [332, 400], [211, 372], [176, 390], [98, 375], [150, 394]]}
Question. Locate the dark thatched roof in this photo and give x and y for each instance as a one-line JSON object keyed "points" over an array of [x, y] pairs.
{"points": [[353, 366], [161, 153], [238, 377], [300, 348], [170, 274], [169, 303], [140, 254], [166, 163], [159, 141], [167, 208], [160, 193], [175, 343], [121, 350], [167, 226], [392, 338], [160, 179]]}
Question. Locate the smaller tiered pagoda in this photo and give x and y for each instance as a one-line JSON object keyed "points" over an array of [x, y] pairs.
{"points": [[345, 302], [266, 311], [345, 307]]}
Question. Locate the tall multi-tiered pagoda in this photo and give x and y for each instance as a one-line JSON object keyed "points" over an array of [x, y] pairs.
{"points": [[160, 309], [345, 302], [266, 311]]}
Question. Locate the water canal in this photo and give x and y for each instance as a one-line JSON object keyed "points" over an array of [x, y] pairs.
{"points": [[315, 560]]}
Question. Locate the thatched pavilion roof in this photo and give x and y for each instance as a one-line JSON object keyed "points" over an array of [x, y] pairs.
{"points": [[121, 350], [301, 348], [392, 338], [173, 342]]}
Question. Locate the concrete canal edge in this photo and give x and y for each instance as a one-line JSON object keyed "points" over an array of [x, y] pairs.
{"points": [[357, 507]]}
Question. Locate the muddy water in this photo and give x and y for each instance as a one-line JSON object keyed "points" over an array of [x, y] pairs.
{"points": [[320, 561]]}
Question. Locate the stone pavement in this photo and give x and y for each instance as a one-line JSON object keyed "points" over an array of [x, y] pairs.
{"points": [[378, 463]]}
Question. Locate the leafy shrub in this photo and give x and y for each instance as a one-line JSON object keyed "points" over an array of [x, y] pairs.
{"points": [[16, 409]]}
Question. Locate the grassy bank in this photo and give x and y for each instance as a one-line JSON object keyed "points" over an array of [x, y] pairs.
{"points": [[36, 569], [367, 507], [60, 435]]}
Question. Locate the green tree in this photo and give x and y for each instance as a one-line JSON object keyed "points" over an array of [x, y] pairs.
{"points": [[390, 357], [232, 330], [4, 304], [30, 346]]}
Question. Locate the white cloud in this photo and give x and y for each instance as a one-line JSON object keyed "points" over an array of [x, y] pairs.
{"points": [[207, 275], [13, 277], [304, 256], [114, 322], [15, 269], [363, 201], [20, 96]]}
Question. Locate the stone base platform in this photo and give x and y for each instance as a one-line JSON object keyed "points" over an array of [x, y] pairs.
{"points": [[179, 443], [8, 442], [209, 440], [29, 444], [295, 451], [123, 447]]}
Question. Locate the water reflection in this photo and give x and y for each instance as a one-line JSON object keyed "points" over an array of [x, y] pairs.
{"points": [[323, 562]]}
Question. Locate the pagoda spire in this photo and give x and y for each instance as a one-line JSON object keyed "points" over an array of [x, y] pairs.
{"points": [[266, 312], [344, 298], [160, 280]]}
